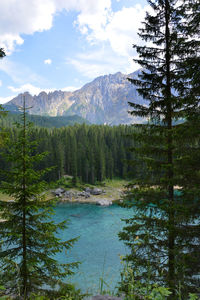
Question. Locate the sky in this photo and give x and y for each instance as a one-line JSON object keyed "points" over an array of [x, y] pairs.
{"points": [[63, 44]]}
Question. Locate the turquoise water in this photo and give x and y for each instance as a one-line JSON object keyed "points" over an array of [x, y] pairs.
{"points": [[98, 247]]}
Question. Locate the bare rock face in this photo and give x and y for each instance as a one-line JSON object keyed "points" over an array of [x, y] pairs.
{"points": [[51, 104], [105, 99], [102, 101]]}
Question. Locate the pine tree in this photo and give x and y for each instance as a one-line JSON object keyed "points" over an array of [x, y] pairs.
{"points": [[2, 112], [27, 233], [164, 231], [3, 133]]}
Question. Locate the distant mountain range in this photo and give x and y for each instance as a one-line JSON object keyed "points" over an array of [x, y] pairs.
{"points": [[102, 101]]}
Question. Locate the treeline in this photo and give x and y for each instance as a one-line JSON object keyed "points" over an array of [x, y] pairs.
{"points": [[89, 152], [40, 121]]}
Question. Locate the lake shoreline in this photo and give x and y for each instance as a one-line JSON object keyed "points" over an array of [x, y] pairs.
{"points": [[107, 197], [108, 193]]}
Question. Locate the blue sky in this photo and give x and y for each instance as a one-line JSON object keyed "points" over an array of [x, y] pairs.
{"points": [[63, 44]]}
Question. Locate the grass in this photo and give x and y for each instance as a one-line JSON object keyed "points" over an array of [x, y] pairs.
{"points": [[5, 197], [112, 187], [116, 182]]}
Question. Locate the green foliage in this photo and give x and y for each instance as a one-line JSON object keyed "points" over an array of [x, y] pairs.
{"points": [[41, 121], [193, 297], [164, 229], [90, 154], [28, 236], [104, 288], [2, 289], [3, 132], [2, 54], [65, 292], [135, 289]]}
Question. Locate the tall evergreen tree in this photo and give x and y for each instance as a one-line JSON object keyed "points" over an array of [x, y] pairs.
{"points": [[2, 112], [164, 231], [27, 233]]}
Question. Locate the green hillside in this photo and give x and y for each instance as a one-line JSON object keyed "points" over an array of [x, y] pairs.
{"points": [[43, 121]]}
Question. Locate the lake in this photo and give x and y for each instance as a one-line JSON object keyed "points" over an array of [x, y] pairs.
{"points": [[98, 248]]}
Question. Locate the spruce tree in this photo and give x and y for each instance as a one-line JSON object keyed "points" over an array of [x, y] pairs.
{"points": [[2, 112], [163, 234], [28, 236], [3, 133]]}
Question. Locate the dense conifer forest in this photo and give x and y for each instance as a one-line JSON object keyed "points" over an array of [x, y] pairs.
{"points": [[40, 121], [90, 153]]}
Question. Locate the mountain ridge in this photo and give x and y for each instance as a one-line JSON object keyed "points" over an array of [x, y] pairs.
{"points": [[101, 101]]}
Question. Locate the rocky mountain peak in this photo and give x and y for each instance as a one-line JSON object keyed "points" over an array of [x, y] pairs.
{"points": [[104, 100]]}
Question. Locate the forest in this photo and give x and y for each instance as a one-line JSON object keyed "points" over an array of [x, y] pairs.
{"points": [[91, 153]]}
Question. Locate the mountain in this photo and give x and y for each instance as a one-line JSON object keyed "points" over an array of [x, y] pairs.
{"points": [[104, 100]]}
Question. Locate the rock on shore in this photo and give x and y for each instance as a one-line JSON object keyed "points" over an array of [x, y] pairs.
{"points": [[89, 195], [104, 202]]}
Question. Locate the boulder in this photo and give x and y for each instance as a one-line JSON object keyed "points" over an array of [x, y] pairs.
{"points": [[88, 190], [103, 202], [96, 191], [83, 194], [58, 192], [87, 195], [68, 195], [80, 194]]}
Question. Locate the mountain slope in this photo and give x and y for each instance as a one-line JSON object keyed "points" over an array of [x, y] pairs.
{"points": [[42, 121], [43, 104], [104, 100]]}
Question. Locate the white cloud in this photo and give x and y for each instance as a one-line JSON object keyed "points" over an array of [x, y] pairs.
{"points": [[6, 99], [33, 90], [70, 88], [119, 28], [9, 68], [95, 20], [90, 70], [123, 28], [48, 61], [0, 82], [27, 17], [112, 32], [23, 17], [89, 7], [9, 41], [103, 61], [19, 73], [92, 20]]}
